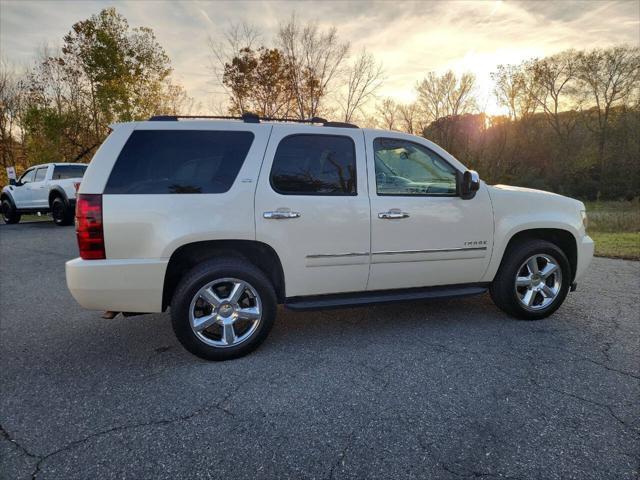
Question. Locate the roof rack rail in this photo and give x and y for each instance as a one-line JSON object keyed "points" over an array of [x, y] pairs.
{"points": [[249, 117]]}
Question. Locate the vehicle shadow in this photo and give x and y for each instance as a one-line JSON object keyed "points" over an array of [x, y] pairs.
{"points": [[147, 342]]}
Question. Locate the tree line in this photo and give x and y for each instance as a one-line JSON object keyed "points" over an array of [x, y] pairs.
{"points": [[572, 123]]}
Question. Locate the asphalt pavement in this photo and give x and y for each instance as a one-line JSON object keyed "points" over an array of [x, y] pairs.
{"points": [[447, 389]]}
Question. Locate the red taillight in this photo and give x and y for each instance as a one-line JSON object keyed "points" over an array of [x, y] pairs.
{"points": [[89, 226]]}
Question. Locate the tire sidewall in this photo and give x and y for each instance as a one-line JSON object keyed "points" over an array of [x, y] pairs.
{"points": [[9, 214], [503, 290], [63, 218], [209, 272]]}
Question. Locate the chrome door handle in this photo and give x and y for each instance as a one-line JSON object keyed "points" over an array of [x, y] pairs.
{"points": [[280, 214], [394, 213]]}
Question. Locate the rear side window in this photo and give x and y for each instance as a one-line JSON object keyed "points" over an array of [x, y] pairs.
{"points": [[179, 161], [315, 165], [63, 172], [41, 173]]}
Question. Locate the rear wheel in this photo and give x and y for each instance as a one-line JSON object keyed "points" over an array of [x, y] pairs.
{"points": [[61, 213], [9, 213], [223, 309], [533, 280]]}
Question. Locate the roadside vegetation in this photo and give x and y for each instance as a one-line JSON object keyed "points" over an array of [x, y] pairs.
{"points": [[615, 227]]}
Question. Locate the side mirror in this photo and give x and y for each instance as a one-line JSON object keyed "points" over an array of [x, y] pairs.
{"points": [[469, 184], [12, 181]]}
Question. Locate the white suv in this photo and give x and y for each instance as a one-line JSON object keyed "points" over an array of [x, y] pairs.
{"points": [[50, 187], [222, 220]]}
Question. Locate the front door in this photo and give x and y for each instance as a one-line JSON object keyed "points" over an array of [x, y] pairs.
{"points": [[312, 207], [21, 193], [422, 232]]}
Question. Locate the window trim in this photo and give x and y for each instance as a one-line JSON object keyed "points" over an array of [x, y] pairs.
{"points": [[316, 194], [440, 195]]}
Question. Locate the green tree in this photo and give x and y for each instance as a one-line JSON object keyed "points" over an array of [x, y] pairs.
{"points": [[106, 72]]}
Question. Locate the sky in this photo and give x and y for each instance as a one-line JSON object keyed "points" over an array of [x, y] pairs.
{"points": [[409, 38]]}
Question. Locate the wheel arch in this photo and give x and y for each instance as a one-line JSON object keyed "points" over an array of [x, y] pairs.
{"points": [[562, 238], [189, 255], [6, 195], [57, 191]]}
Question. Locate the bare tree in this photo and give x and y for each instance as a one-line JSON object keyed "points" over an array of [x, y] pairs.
{"points": [[238, 37], [411, 118], [387, 112], [363, 80], [444, 99], [314, 59], [553, 87], [514, 90], [446, 95], [610, 76]]}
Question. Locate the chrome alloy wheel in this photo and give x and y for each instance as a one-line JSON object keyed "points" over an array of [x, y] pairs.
{"points": [[225, 312], [538, 282]]}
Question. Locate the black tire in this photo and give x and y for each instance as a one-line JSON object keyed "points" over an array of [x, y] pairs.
{"points": [[61, 212], [9, 213], [503, 289], [200, 276]]}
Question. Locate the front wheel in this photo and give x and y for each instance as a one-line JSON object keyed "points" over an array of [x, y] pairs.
{"points": [[223, 309], [9, 213], [532, 281]]}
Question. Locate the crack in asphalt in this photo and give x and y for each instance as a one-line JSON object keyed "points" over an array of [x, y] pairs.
{"points": [[447, 468], [606, 406], [120, 428], [7, 436]]}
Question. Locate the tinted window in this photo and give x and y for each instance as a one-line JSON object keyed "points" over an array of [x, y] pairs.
{"points": [[27, 176], [62, 172], [40, 174], [179, 161], [407, 168], [315, 165]]}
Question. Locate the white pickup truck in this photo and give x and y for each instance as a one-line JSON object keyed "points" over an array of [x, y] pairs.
{"points": [[222, 220], [46, 188]]}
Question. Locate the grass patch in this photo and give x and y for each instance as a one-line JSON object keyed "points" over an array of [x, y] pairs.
{"points": [[35, 218], [615, 228], [617, 245], [614, 216]]}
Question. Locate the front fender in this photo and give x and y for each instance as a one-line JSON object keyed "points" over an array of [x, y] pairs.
{"points": [[520, 210], [6, 192]]}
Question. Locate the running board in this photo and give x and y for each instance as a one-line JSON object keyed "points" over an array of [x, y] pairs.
{"points": [[359, 299]]}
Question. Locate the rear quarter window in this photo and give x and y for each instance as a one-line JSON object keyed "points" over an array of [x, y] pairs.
{"points": [[179, 161], [63, 172]]}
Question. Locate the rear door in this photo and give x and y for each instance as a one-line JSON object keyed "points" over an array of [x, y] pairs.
{"points": [[312, 207]]}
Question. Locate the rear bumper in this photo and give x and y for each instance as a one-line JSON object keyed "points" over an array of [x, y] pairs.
{"points": [[585, 255], [117, 285]]}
